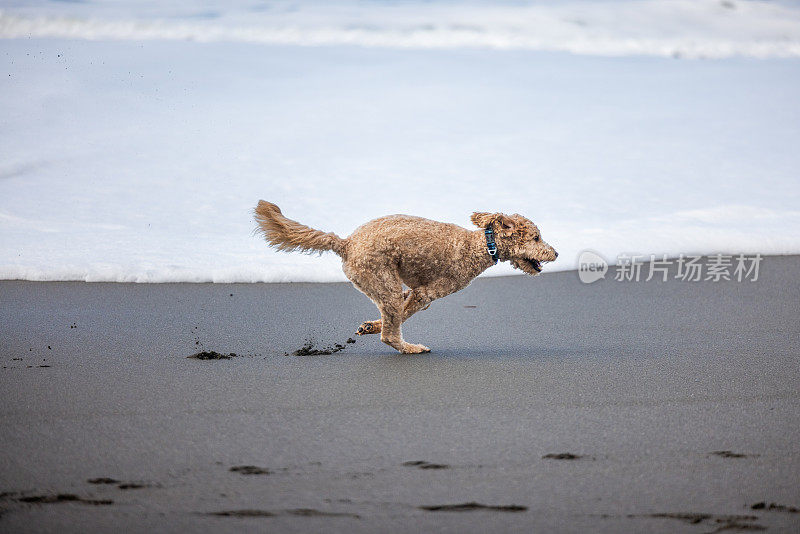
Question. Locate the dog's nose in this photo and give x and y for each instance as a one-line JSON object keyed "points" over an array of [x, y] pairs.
{"points": [[555, 253]]}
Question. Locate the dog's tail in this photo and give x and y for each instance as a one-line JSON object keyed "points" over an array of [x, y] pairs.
{"points": [[286, 234]]}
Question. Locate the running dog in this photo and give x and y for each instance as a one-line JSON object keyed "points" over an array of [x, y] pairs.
{"points": [[433, 259]]}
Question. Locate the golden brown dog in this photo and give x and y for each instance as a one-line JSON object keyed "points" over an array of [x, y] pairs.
{"points": [[432, 258]]}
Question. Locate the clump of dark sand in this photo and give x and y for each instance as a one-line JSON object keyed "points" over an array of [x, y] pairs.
{"points": [[212, 355], [309, 350], [731, 454], [310, 512], [250, 470], [722, 522], [473, 506], [103, 480], [243, 513], [299, 512], [562, 456], [421, 464], [119, 484], [132, 485], [61, 498], [774, 507], [48, 499]]}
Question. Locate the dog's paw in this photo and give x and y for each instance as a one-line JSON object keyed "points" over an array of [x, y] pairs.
{"points": [[410, 348], [369, 327]]}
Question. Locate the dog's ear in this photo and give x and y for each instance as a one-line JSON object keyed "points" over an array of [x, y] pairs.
{"points": [[506, 224], [502, 223], [482, 219]]}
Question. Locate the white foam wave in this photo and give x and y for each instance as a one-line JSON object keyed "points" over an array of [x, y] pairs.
{"points": [[129, 162], [679, 29], [151, 274]]}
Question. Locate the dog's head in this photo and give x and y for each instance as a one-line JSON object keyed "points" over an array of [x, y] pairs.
{"points": [[518, 240]]}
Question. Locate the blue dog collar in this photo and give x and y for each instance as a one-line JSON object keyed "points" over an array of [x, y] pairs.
{"points": [[491, 248]]}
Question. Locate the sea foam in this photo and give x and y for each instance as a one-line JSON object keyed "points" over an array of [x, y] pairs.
{"points": [[140, 157]]}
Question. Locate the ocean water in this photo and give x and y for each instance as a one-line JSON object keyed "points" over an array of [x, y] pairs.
{"points": [[688, 28], [136, 137]]}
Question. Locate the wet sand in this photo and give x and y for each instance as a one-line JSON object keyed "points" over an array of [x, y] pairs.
{"points": [[545, 405]]}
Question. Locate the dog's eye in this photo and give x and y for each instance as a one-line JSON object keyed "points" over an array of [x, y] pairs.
{"points": [[505, 226], [536, 238]]}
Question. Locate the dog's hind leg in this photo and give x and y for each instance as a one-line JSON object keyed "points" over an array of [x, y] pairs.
{"points": [[369, 327], [387, 293], [414, 300]]}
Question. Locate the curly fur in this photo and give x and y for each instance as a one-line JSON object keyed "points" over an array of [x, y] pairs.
{"points": [[433, 259], [288, 235]]}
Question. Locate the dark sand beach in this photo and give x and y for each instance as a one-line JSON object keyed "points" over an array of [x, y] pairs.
{"points": [[546, 405]]}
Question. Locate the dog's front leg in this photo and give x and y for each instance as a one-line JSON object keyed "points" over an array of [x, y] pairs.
{"points": [[418, 299], [421, 297]]}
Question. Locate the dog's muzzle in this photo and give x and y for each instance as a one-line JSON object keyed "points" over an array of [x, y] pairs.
{"points": [[533, 264]]}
